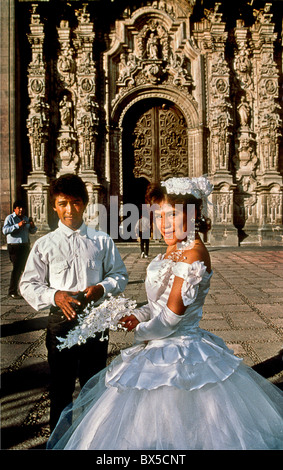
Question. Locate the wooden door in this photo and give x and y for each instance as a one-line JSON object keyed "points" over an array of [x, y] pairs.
{"points": [[160, 144]]}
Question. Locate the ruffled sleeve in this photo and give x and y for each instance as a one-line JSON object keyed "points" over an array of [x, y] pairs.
{"points": [[192, 275]]}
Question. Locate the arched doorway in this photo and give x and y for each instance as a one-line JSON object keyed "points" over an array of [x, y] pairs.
{"points": [[155, 146]]}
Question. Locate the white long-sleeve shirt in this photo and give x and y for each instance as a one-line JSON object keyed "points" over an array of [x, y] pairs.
{"points": [[14, 233], [71, 261]]}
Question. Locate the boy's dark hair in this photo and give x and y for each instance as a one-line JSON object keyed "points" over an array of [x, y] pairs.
{"points": [[69, 184], [19, 203]]}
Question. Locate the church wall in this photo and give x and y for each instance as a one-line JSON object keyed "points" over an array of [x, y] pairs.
{"points": [[73, 71]]}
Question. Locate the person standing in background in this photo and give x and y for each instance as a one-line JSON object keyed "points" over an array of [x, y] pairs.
{"points": [[17, 227], [143, 231]]}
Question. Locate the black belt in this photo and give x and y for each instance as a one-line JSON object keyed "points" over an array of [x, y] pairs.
{"points": [[18, 244]]}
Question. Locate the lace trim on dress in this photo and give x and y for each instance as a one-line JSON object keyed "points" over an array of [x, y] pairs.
{"points": [[163, 273]]}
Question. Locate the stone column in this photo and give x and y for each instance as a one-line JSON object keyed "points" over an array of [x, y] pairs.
{"points": [[78, 107], [220, 126], [245, 159], [37, 186], [87, 109], [67, 159], [268, 122]]}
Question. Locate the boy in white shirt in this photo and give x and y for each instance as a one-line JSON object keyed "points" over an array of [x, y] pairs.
{"points": [[72, 259]]}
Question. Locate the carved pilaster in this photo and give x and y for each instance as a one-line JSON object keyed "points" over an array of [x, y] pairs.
{"points": [[219, 99], [87, 110], [77, 105], [267, 91], [37, 124], [220, 125], [66, 160], [268, 125], [87, 118], [245, 159]]}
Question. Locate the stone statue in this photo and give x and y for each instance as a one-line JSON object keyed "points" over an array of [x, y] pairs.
{"points": [[65, 111], [244, 112], [152, 46]]}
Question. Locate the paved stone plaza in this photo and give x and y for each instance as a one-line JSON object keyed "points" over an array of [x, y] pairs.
{"points": [[244, 307]]}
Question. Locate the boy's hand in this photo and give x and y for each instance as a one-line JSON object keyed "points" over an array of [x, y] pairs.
{"points": [[65, 301], [93, 293]]}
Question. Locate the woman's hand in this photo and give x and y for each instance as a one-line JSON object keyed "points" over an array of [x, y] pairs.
{"points": [[129, 322]]}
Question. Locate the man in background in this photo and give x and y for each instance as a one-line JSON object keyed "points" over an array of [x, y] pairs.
{"points": [[17, 227]]}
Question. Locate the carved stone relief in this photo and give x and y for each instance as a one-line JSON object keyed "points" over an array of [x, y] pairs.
{"points": [[37, 124], [269, 122], [223, 119], [78, 106], [38, 119], [151, 58]]}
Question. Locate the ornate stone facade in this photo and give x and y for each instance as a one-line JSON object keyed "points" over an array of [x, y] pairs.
{"points": [[126, 96]]}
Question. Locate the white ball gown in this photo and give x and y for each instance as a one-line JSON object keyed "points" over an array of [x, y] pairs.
{"points": [[185, 391]]}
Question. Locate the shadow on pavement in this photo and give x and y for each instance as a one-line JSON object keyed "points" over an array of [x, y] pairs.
{"points": [[16, 435], [271, 367], [24, 326], [24, 396]]}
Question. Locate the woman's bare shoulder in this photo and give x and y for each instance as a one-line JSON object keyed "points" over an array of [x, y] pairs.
{"points": [[197, 253]]}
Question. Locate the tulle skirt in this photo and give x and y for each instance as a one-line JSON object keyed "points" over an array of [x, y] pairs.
{"points": [[242, 412]]}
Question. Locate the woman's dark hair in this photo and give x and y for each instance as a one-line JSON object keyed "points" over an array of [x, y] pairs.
{"points": [[69, 184], [156, 193]]}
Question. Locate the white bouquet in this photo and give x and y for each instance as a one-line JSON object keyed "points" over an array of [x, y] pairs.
{"points": [[97, 319]]}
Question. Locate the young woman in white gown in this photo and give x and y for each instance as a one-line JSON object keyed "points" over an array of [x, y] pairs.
{"points": [[179, 386]]}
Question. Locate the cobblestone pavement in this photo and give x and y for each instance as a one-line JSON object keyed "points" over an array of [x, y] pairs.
{"points": [[244, 307]]}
